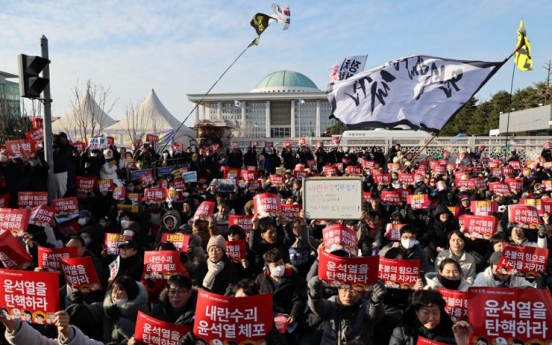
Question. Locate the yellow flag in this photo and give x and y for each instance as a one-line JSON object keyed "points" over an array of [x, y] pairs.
{"points": [[523, 53]]}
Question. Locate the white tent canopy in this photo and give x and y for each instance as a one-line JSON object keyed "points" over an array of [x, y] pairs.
{"points": [[150, 117], [86, 119]]}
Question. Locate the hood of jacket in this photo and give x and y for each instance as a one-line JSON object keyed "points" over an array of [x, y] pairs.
{"points": [[130, 308], [175, 216]]}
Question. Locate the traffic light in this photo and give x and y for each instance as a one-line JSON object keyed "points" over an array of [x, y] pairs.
{"points": [[31, 84]]}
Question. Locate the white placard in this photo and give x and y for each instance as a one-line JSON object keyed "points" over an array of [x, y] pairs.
{"points": [[332, 197]]}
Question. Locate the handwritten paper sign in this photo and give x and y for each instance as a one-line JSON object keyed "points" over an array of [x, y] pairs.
{"points": [[332, 198]]}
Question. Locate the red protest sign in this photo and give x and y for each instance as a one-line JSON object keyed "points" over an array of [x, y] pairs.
{"points": [[399, 274], [515, 184], [266, 204], [406, 178], [135, 198], [80, 273], [537, 203], [355, 273], [300, 174], [42, 215], [391, 197], [517, 258], [370, 165], [31, 199], [366, 196], [456, 303], [480, 227], [69, 228], [180, 241], [547, 205], [353, 170], [417, 201], [382, 178], [277, 179], [119, 193], [242, 220], [152, 331], [161, 264], [393, 231], [394, 167], [4, 200], [425, 341], [291, 211], [177, 147], [525, 216], [241, 320], [483, 207], [155, 195], [112, 242], [499, 188], [205, 210], [330, 170], [249, 175], [146, 178], [14, 220], [18, 148], [236, 250], [12, 253], [49, 258], [26, 291], [340, 237], [85, 184], [509, 313], [110, 141], [35, 134], [66, 207], [152, 138], [455, 210], [79, 146], [105, 185]]}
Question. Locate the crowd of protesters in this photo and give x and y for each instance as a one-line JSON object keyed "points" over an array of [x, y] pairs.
{"points": [[282, 254]]}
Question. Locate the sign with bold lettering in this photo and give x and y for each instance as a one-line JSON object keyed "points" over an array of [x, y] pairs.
{"points": [[332, 198]]}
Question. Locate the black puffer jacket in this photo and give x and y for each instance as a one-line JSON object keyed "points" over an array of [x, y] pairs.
{"points": [[162, 310], [436, 235]]}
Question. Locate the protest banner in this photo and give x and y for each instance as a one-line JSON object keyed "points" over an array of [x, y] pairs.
{"points": [[382, 178], [4, 200], [31, 199], [406, 178], [249, 175], [499, 188], [455, 210], [520, 259], [480, 227], [235, 250], [112, 242], [399, 274], [42, 215], [66, 209], [97, 143], [418, 201], [353, 170], [357, 273], [332, 198], [515, 184], [340, 237], [49, 258], [424, 341], [189, 176], [483, 207], [85, 184], [266, 204], [507, 313], [155, 195], [68, 229], [12, 253], [226, 320], [128, 208], [105, 185], [35, 134], [330, 170], [152, 138], [180, 241], [14, 220], [277, 179], [19, 148], [161, 264], [291, 211], [205, 211], [152, 331], [147, 178], [119, 193], [393, 231], [80, 273], [135, 198], [524, 216], [299, 175], [391, 197], [29, 296], [456, 303], [241, 220]]}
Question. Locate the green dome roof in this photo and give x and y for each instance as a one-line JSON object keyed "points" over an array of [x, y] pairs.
{"points": [[285, 81]]}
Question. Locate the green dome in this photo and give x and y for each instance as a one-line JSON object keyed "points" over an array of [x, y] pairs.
{"points": [[285, 81]]}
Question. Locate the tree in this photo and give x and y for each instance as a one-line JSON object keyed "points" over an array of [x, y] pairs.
{"points": [[336, 129]]}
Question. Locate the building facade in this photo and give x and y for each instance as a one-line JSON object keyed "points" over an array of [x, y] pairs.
{"points": [[10, 101], [284, 104]]}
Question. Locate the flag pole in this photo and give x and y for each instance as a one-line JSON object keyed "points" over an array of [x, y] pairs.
{"points": [[509, 108], [421, 150], [211, 88]]}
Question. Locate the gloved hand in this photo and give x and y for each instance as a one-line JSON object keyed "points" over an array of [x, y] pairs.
{"points": [[113, 312], [315, 285], [542, 231], [378, 292]]}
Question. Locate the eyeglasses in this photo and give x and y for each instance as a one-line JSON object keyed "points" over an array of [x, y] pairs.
{"points": [[214, 249], [177, 292]]}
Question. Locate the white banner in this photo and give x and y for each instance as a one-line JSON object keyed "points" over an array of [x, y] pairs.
{"points": [[418, 91], [351, 65]]}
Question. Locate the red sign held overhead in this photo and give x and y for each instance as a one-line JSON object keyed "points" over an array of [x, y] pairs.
{"points": [[516, 258], [353, 273], [399, 274], [266, 204], [80, 273], [180, 241]]}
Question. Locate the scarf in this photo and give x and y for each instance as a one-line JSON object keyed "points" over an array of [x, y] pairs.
{"points": [[213, 268]]}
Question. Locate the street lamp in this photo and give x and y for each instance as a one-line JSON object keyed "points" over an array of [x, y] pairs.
{"points": [[300, 102]]}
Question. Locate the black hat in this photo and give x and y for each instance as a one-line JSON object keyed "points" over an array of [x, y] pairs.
{"points": [[62, 134], [129, 244]]}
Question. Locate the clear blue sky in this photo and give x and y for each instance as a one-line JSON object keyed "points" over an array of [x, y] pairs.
{"points": [[181, 47]]}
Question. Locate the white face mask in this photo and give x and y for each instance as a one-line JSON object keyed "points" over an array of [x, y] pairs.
{"points": [[120, 302], [86, 240], [408, 243], [128, 233], [124, 223], [278, 271], [81, 221]]}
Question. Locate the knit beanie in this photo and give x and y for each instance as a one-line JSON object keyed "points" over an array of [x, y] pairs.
{"points": [[218, 241]]}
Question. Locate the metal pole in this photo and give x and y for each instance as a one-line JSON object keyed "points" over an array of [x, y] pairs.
{"points": [[509, 110], [299, 136], [48, 137]]}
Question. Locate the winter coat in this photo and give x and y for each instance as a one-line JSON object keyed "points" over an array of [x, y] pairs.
{"points": [[132, 267], [467, 264], [436, 235], [25, 334], [109, 170], [122, 327], [162, 310], [290, 296], [175, 215], [224, 280], [486, 279], [433, 283]]}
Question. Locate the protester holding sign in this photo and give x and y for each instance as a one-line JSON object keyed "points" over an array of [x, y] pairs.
{"points": [[217, 275], [457, 251], [170, 225], [435, 238], [264, 236], [357, 312], [492, 277]]}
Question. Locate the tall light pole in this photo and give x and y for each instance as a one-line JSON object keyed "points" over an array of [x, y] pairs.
{"points": [[300, 101]]}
